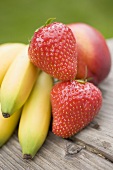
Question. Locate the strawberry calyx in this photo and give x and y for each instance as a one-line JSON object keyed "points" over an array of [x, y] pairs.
{"points": [[82, 81], [85, 79], [50, 20]]}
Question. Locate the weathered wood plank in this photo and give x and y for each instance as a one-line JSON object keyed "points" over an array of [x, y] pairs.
{"points": [[56, 154], [75, 155]]}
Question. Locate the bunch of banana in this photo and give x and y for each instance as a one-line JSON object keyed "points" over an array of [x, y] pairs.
{"points": [[24, 99]]}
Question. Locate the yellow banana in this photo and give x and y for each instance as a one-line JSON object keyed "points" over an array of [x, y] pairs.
{"points": [[7, 126], [35, 118], [17, 83], [8, 51]]}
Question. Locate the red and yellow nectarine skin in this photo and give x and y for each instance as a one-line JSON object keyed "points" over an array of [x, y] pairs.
{"points": [[93, 52]]}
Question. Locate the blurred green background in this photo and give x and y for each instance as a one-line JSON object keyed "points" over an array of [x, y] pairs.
{"points": [[19, 19]]}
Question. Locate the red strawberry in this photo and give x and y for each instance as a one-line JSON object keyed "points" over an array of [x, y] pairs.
{"points": [[53, 50], [74, 105]]}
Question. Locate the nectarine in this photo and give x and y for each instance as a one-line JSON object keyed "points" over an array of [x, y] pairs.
{"points": [[93, 52]]}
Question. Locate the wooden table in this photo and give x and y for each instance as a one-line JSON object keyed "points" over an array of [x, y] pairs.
{"points": [[91, 149]]}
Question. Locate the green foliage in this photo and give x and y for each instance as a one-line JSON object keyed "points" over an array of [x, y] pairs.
{"points": [[19, 19]]}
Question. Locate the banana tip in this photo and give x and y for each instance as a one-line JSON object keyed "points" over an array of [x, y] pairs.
{"points": [[5, 115], [27, 156]]}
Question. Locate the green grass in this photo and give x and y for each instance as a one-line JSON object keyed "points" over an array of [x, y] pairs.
{"points": [[19, 19]]}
